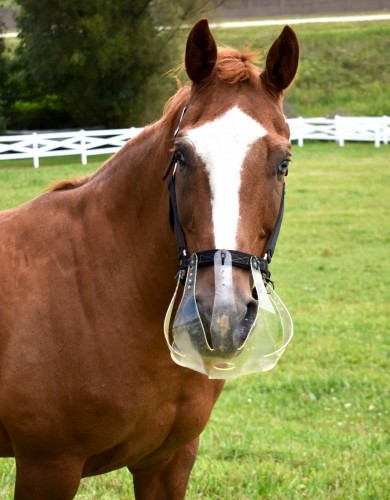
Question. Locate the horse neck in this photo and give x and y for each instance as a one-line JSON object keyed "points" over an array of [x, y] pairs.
{"points": [[136, 205]]}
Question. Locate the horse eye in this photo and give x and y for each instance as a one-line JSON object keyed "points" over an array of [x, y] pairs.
{"points": [[180, 157], [283, 167]]}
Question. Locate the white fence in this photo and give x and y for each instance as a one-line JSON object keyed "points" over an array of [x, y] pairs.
{"points": [[82, 142], [87, 143], [341, 129]]}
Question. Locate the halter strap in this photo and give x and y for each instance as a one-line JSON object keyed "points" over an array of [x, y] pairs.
{"points": [[239, 259], [276, 230], [174, 220], [172, 159]]}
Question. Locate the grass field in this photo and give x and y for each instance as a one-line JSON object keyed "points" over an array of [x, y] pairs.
{"points": [[342, 69], [317, 426]]}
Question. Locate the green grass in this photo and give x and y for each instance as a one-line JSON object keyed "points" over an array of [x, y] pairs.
{"points": [[342, 70], [317, 426], [20, 182]]}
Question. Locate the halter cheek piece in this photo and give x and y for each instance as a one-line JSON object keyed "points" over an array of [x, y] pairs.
{"points": [[206, 257]]}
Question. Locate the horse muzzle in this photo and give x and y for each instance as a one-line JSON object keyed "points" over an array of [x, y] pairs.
{"points": [[238, 336]]}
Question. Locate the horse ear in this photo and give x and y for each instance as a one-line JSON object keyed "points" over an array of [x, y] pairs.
{"points": [[282, 61], [201, 52]]}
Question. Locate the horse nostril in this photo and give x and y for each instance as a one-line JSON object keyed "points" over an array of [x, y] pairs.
{"points": [[205, 313], [246, 322], [251, 310]]}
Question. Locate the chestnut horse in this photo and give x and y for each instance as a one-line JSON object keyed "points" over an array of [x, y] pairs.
{"points": [[87, 383]]}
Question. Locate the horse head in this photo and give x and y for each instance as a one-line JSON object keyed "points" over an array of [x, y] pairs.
{"points": [[231, 156]]}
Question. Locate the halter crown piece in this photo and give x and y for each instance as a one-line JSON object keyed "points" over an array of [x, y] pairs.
{"points": [[266, 335]]}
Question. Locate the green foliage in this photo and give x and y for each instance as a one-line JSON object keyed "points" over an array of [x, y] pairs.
{"points": [[102, 60], [85, 52], [3, 83], [315, 427], [8, 4]]}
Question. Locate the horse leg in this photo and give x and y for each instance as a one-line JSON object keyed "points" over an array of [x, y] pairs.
{"points": [[47, 478], [166, 480]]}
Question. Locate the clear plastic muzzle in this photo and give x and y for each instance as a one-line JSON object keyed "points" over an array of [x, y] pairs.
{"points": [[234, 345]]}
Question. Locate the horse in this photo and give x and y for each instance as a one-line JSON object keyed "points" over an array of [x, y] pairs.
{"points": [[88, 383]]}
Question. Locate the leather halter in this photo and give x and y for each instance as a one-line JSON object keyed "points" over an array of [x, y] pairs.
{"points": [[206, 257]]}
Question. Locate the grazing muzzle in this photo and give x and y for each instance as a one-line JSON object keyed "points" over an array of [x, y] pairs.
{"points": [[233, 344]]}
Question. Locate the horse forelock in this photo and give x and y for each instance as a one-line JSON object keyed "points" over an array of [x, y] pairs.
{"points": [[235, 66]]}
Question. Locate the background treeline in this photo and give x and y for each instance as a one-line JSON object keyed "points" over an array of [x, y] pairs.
{"points": [[88, 63], [91, 63]]}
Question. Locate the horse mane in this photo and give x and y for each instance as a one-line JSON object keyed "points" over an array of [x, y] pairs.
{"points": [[69, 184], [232, 66]]}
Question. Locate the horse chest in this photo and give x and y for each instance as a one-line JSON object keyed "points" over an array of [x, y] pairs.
{"points": [[158, 421]]}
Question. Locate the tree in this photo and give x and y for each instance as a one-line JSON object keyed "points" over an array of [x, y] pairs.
{"points": [[102, 60], [4, 64]]}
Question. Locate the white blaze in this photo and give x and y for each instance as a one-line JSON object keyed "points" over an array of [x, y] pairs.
{"points": [[223, 144]]}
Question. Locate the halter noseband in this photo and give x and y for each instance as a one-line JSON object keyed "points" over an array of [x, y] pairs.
{"points": [[206, 257]]}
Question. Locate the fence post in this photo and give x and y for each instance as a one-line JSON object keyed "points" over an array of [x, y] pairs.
{"points": [[35, 149], [385, 129], [83, 147], [339, 130], [301, 125], [378, 128]]}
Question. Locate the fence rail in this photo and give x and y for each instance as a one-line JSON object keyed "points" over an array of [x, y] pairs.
{"points": [[88, 143]]}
